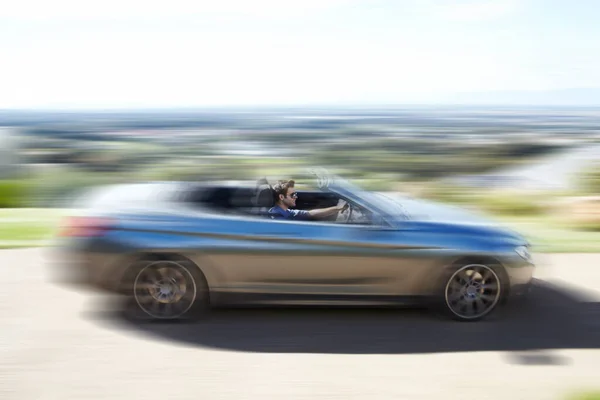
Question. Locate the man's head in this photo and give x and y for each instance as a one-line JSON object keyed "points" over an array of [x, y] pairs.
{"points": [[285, 194]]}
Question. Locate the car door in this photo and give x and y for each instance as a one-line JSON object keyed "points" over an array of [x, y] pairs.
{"points": [[312, 260], [336, 261]]}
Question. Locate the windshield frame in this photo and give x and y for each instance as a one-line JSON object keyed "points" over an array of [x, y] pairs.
{"points": [[378, 203]]}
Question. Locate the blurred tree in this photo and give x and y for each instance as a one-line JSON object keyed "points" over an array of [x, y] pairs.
{"points": [[590, 180]]}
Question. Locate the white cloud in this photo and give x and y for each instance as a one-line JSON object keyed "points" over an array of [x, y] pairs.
{"points": [[475, 10], [109, 9]]}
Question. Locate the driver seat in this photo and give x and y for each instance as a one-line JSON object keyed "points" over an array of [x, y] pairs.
{"points": [[264, 198]]}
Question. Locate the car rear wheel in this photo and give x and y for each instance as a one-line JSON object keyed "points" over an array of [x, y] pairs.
{"points": [[168, 290], [472, 292]]}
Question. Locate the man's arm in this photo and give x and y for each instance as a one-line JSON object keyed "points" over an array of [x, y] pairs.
{"points": [[326, 212]]}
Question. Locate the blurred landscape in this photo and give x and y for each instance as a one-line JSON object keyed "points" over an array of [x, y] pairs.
{"points": [[492, 106], [535, 167]]}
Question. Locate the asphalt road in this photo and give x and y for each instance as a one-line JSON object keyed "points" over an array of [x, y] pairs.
{"points": [[60, 343]]}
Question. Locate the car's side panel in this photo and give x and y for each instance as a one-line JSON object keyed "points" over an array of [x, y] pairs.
{"points": [[282, 257], [293, 263]]}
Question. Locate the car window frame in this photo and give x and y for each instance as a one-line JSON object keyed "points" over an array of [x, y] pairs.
{"points": [[373, 225]]}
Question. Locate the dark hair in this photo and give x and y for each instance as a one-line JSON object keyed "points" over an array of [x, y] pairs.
{"points": [[282, 188]]}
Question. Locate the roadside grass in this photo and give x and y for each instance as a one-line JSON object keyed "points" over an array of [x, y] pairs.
{"points": [[550, 235], [28, 227], [593, 395]]}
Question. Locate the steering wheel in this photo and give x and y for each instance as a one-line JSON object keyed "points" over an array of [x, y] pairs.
{"points": [[344, 216]]}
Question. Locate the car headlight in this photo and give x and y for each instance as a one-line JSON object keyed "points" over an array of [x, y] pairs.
{"points": [[524, 253]]}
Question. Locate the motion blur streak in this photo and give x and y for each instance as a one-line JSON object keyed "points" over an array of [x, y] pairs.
{"points": [[165, 208]]}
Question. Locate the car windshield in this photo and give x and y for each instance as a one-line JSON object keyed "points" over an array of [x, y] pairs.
{"points": [[383, 203], [391, 206]]}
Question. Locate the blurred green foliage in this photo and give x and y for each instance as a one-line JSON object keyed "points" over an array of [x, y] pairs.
{"points": [[593, 395], [590, 180], [53, 186], [591, 226], [492, 201], [380, 164], [25, 231], [418, 160], [14, 193], [517, 204]]}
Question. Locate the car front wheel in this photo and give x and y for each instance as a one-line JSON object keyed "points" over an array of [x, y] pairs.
{"points": [[472, 292]]}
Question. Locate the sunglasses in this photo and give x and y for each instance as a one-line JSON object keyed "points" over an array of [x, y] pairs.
{"points": [[293, 195]]}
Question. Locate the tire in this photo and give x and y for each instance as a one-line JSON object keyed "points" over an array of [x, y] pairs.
{"points": [[470, 292], [166, 289]]}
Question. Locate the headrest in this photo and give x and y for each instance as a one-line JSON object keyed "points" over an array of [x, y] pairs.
{"points": [[265, 197]]}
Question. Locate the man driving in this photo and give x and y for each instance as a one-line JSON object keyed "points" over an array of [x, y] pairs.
{"points": [[285, 199]]}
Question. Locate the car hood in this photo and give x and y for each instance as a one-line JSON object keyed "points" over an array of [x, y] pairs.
{"points": [[425, 210], [410, 213], [433, 216]]}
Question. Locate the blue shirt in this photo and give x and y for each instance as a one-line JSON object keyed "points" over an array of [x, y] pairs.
{"points": [[278, 212]]}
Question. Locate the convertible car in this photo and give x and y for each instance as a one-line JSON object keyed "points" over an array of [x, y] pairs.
{"points": [[178, 249]]}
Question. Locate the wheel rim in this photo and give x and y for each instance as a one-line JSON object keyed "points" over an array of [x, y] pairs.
{"points": [[164, 290], [473, 291]]}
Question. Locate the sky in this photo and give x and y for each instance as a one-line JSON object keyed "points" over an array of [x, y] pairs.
{"points": [[114, 54]]}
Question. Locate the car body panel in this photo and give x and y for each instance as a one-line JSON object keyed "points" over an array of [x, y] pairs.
{"points": [[257, 260]]}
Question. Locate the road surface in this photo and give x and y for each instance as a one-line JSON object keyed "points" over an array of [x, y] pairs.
{"points": [[61, 343]]}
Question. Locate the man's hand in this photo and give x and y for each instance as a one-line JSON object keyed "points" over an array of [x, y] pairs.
{"points": [[343, 207]]}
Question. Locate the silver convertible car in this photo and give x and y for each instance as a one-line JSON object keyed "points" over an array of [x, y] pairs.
{"points": [[178, 249]]}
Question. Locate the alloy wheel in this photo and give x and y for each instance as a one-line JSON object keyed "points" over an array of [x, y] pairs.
{"points": [[164, 289], [472, 291]]}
